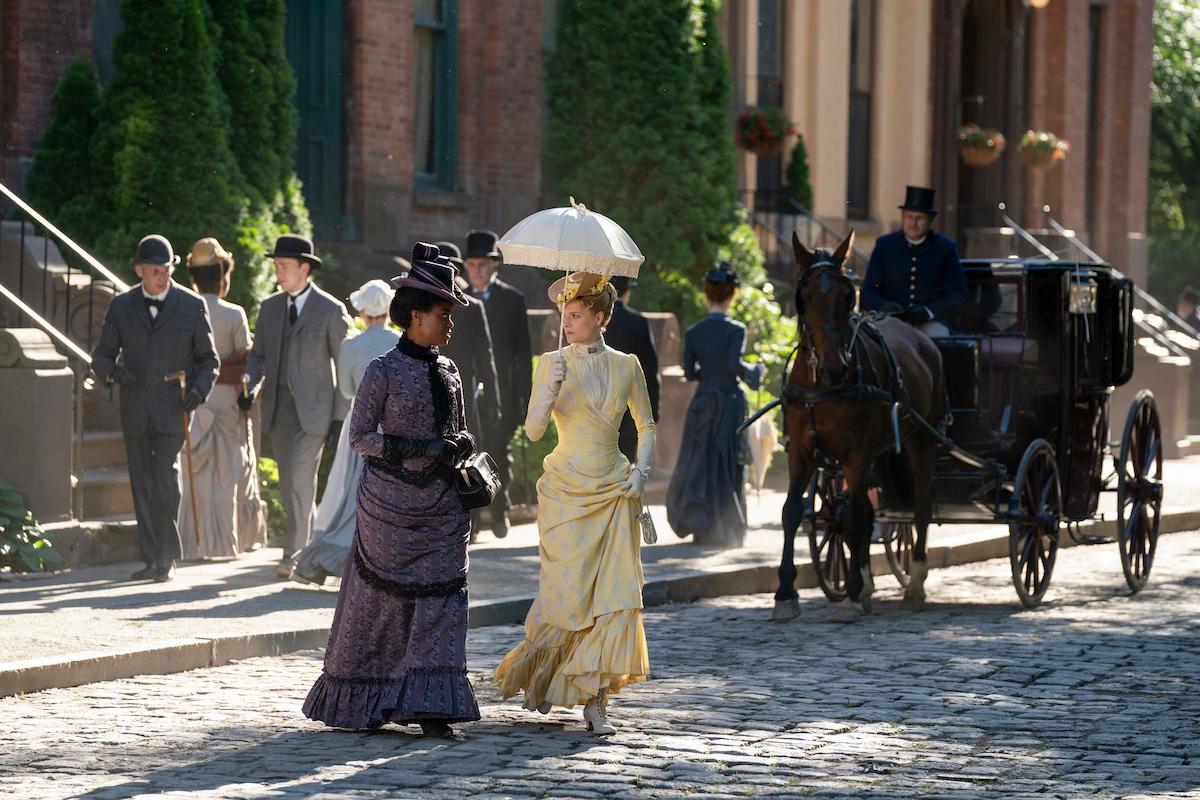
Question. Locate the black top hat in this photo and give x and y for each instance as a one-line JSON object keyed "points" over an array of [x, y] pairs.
{"points": [[431, 272], [291, 245], [919, 198], [622, 284], [482, 244], [155, 249], [723, 273]]}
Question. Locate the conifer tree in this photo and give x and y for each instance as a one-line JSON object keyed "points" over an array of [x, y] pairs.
{"points": [[62, 169]]}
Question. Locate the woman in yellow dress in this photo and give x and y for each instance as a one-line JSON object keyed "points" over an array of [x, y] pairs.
{"points": [[583, 636]]}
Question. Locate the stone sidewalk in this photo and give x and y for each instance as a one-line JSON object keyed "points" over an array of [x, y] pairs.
{"points": [[89, 624], [1092, 695]]}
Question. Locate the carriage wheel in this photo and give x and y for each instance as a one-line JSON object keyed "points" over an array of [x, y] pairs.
{"points": [[825, 516], [1033, 519], [898, 541], [1139, 490]]}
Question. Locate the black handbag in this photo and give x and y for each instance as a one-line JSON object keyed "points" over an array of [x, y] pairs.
{"points": [[476, 481]]}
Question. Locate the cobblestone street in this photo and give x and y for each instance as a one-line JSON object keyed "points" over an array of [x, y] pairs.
{"points": [[1092, 695]]}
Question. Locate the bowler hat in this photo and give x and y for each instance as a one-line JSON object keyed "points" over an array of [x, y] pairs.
{"points": [[482, 244], [449, 250], [431, 272], [155, 249], [291, 245], [919, 198], [723, 273]]}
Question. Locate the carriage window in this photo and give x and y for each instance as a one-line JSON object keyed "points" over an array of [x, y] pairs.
{"points": [[994, 307]]}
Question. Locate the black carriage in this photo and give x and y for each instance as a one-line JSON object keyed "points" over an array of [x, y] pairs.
{"points": [[1039, 348]]}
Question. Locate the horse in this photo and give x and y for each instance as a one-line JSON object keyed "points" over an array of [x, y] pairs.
{"points": [[840, 405]]}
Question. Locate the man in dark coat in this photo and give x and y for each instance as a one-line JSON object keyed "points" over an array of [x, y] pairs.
{"points": [[152, 332], [471, 351], [914, 273], [629, 332], [508, 320]]}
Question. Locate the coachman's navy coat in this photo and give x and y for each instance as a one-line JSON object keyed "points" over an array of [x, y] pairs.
{"points": [[928, 274]]}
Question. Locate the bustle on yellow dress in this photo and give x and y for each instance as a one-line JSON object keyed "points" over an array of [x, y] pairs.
{"points": [[584, 632]]}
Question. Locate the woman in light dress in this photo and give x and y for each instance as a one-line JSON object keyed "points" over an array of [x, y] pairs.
{"points": [[224, 465], [333, 528], [583, 636]]}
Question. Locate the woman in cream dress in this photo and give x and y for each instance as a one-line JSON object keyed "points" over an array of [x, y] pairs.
{"points": [[583, 635], [224, 467]]}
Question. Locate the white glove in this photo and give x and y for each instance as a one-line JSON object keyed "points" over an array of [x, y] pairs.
{"points": [[635, 483], [558, 373]]}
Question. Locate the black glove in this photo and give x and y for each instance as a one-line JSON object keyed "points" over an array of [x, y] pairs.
{"points": [[398, 448], [892, 308], [916, 315], [464, 443], [121, 375], [244, 401], [192, 400]]}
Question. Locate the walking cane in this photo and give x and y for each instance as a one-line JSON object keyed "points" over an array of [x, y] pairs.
{"points": [[181, 376]]}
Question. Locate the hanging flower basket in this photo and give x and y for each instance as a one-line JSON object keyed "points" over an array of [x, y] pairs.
{"points": [[1042, 149], [980, 146], [763, 130]]}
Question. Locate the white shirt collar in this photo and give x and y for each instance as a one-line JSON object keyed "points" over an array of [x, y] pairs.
{"points": [[300, 299], [915, 242], [161, 296]]}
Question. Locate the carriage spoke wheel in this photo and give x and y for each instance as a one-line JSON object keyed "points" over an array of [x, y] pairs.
{"points": [[825, 515], [898, 541], [1139, 490], [1033, 519]]}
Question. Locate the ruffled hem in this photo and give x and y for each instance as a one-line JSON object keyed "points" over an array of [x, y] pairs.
{"points": [[423, 694], [320, 561], [568, 668]]}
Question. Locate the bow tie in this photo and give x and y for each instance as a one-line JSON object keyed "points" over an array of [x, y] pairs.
{"points": [[152, 303]]}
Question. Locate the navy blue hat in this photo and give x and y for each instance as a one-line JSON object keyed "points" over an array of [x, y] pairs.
{"points": [[155, 249], [431, 272], [723, 273]]}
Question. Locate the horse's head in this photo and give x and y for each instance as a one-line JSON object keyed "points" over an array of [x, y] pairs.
{"points": [[824, 302]]}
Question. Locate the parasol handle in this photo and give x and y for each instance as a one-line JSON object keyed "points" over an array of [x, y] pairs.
{"points": [[580, 207]]}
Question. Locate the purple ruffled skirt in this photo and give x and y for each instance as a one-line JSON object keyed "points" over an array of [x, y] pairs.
{"points": [[397, 650]]}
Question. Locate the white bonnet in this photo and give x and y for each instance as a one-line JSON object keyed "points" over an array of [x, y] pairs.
{"points": [[373, 297]]}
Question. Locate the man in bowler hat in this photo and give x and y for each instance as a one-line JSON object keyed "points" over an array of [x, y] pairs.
{"points": [[293, 366], [508, 320], [151, 333], [914, 273], [471, 351], [629, 332]]}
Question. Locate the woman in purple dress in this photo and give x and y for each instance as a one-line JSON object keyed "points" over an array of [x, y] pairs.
{"points": [[397, 651]]}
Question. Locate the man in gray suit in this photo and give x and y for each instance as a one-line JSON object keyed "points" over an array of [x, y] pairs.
{"points": [[294, 359], [155, 330]]}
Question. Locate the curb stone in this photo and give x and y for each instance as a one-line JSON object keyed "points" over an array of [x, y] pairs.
{"points": [[181, 655]]}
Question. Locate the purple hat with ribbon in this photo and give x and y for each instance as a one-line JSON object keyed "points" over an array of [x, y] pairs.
{"points": [[431, 272]]}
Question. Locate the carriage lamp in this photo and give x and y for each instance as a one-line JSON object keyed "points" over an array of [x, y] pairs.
{"points": [[1083, 296]]}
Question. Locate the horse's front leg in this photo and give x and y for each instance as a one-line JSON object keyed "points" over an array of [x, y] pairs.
{"points": [[800, 469], [859, 584], [921, 456]]}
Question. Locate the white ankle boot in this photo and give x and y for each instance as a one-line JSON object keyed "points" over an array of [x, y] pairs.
{"points": [[595, 714]]}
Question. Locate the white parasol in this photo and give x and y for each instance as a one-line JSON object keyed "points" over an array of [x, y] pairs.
{"points": [[571, 239]]}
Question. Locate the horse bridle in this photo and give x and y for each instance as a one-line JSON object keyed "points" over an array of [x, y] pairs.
{"points": [[847, 333]]}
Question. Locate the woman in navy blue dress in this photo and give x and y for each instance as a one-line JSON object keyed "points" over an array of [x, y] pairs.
{"points": [[706, 498]]}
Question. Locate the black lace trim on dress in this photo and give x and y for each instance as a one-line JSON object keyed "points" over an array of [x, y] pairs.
{"points": [[417, 477], [397, 589], [391, 681]]}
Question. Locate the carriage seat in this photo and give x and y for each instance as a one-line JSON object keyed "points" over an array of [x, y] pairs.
{"points": [[1006, 352]]}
